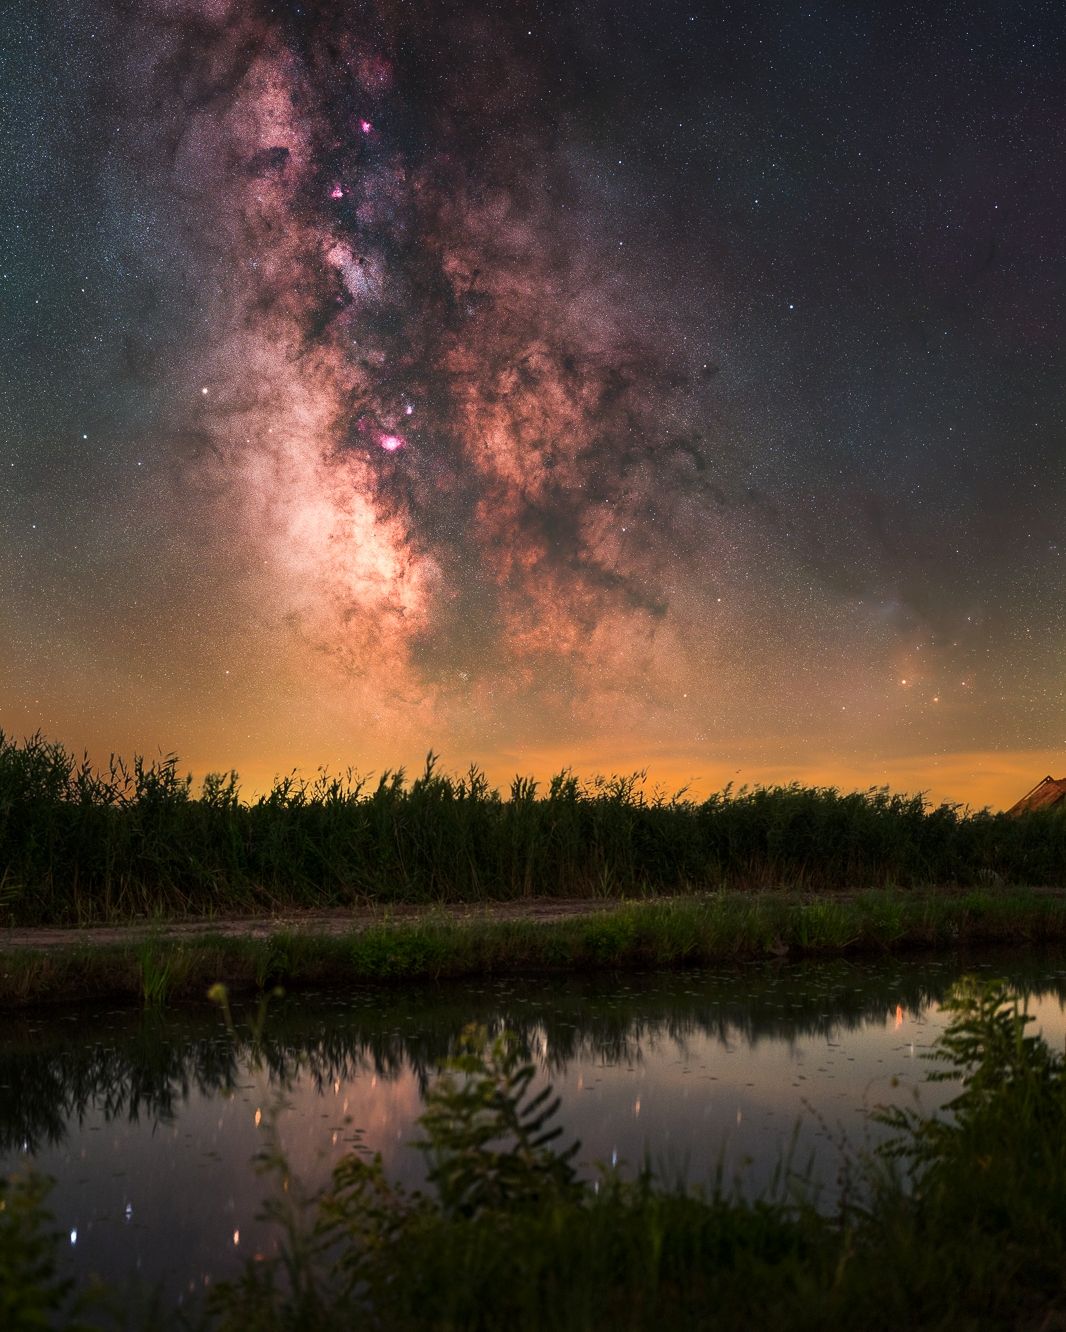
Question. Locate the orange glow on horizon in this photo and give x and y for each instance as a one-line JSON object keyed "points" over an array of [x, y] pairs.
{"points": [[976, 780]]}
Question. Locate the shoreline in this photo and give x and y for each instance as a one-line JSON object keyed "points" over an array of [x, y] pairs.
{"points": [[156, 963]]}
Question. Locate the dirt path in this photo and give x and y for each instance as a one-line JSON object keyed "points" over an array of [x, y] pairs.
{"points": [[336, 921]]}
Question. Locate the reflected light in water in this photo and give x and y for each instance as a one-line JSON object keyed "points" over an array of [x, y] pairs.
{"points": [[151, 1130]]}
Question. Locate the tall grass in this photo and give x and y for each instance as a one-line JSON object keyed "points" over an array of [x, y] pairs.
{"points": [[79, 843]]}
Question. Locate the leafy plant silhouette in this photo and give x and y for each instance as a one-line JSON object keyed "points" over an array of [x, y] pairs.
{"points": [[489, 1142]]}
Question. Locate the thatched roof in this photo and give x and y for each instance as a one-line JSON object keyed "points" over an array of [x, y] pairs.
{"points": [[1043, 795]]}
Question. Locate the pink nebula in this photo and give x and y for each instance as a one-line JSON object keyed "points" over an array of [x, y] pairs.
{"points": [[365, 126], [336, 192], [390, 443]]}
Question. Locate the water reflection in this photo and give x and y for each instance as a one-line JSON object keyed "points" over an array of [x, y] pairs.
{"points": [[149, 1122], [56, 1068]]}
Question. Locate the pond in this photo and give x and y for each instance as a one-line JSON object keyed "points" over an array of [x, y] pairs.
{"points": [[150, 1123]]}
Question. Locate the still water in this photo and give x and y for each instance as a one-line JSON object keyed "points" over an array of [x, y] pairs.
{"points": [[150, 1123]]}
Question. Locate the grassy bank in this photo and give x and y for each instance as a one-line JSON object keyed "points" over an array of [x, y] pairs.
{"points": [[663, 933], [78, 844], [960, 1223]]}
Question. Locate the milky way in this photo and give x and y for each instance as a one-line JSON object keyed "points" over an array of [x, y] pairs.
{"points": [[446, 423], [508, 378]]}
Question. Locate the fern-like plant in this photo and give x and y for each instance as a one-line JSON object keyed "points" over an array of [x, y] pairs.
{"points": [[489, 1141]]}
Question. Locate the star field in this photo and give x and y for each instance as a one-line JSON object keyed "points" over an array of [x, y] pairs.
{"points": [[674, 387]]}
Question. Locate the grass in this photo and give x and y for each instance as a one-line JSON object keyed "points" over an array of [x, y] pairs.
{"points": [[80, 844], [631, 936], [959, 1223]]}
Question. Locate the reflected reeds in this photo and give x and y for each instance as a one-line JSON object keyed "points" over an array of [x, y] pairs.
{"points": [[55, 1072]]}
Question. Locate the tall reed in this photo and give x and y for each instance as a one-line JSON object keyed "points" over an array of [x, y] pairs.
{"points": [[80, 843]]}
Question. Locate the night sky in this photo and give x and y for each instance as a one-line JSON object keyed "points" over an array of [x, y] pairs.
{"points": [[620, 385]]}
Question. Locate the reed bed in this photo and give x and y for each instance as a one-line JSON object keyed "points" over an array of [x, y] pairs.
{"points": [[80, 843]]}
